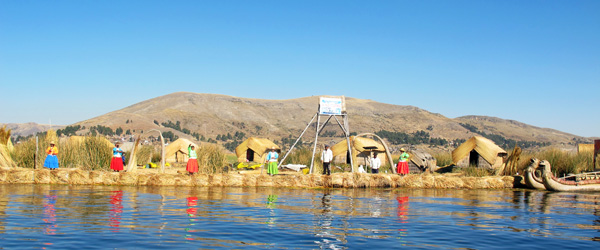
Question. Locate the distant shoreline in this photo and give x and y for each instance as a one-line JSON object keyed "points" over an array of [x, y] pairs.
{"points": [[75, 176]]}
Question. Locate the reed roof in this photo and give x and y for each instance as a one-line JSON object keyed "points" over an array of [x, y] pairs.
{"points": [[582, 148], [359, 144], [484, 146], [259, 145], [179, 145]]}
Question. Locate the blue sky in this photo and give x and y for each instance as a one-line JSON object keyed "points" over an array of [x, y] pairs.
{"points": [[537, 62]]}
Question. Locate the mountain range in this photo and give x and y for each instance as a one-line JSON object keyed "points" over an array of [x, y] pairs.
{"points": [[210, 115]]}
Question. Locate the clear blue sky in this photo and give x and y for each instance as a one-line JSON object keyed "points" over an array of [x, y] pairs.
{"points": [[537, 62]]}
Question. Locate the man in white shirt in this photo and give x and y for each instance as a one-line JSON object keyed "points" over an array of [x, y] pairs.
{"points": [[326, 157], [375, 164]]}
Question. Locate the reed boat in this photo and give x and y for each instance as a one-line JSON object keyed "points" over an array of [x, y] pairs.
{"points": [[585, 182], [532, 180]]}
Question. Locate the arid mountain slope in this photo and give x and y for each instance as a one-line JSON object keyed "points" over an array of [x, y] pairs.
{"points": [[211, 114]]}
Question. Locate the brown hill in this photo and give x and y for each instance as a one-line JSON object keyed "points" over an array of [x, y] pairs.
{"points": [[211, 115], [25, 129]]}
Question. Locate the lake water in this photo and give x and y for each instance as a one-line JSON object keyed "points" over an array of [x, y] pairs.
{"points": [[107, 217]]}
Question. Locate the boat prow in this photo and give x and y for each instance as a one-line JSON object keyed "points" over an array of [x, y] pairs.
{"points": [[557, 184], [531, 179]]}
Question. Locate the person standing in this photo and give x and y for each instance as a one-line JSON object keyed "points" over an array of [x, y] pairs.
{"points": [[326, 157], [51, 161], [116, 163], [192, 164], [375, 164], [272, 165], [403, 162]]}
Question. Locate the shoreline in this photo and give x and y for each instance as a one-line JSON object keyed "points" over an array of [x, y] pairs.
{"points": [[76, 176]]}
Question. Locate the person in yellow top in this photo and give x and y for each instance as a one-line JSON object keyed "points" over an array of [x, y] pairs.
{"points": [[51, 161]]}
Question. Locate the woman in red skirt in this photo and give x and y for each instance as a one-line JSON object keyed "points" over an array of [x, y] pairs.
{"points": [[116, 164], [403, 162], [192, 164]]}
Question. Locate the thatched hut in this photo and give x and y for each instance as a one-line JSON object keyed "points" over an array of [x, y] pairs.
{"points": [[361, 147], [421, 161], [585, 148], [479, 151], [177, 151], [255, 149]]}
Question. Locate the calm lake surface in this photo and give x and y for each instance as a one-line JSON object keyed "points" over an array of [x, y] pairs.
{"points": [[107, 217]]}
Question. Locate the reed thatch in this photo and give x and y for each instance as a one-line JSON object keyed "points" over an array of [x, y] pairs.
{"points": [[177, 151], [487, 149], [75, 176], [254, 149], [585, 148], [361, 147]]}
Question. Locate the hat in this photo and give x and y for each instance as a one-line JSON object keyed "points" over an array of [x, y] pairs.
{"points": [[52, 143], [273, 148], [118, 143], [402, 149]]}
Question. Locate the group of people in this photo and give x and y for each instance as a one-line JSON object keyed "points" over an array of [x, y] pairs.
{"points": [[118, 160], [401, 167], [116, 164], [327, 158]]}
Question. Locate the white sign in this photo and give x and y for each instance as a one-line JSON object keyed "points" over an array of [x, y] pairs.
{"points": [[330, 106]]}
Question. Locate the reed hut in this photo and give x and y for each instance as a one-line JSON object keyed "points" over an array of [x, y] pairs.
{"points": [[480, 152], [255, 149], [177, 151], [585, 148], [421, 161], [361, 147]]}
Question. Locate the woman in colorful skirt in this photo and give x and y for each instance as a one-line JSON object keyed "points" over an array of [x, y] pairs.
{"points": [[192, 164], [51, 161], [403, 162], [272, 158], [116, 163]]}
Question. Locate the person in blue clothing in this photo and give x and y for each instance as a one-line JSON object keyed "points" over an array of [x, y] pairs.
{"points": [[116, 164], [272, 162]]}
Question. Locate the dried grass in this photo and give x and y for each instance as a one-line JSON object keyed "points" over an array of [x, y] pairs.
{"points": [[338, 180]]}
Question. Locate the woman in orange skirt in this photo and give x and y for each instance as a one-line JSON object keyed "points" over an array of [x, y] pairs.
{"points": [[116, 164], [192, 164], [403, 162]]}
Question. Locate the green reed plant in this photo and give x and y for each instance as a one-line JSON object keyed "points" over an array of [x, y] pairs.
{"points": [[146, 154], [443, 159], [473, 171], [211, 159]]}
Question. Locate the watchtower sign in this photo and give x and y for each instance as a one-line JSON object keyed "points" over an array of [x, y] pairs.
{"points": [[331, 105]]}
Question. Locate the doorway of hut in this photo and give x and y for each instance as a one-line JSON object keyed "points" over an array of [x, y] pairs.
{"points": [[250, 155], [473, 158]]}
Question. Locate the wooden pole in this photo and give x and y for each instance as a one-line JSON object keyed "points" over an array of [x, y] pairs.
{"points": [[312, 161], [35, 156], [293, 145], [348, 142]]}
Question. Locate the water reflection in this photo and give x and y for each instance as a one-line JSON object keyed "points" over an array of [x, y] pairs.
{"points": [[49, 217], [402, 213], [192, 209], [272, 205], [214, 217], [114, 216]]}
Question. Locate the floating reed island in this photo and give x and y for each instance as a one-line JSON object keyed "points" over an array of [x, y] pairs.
{"points": [[76, 176]]}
